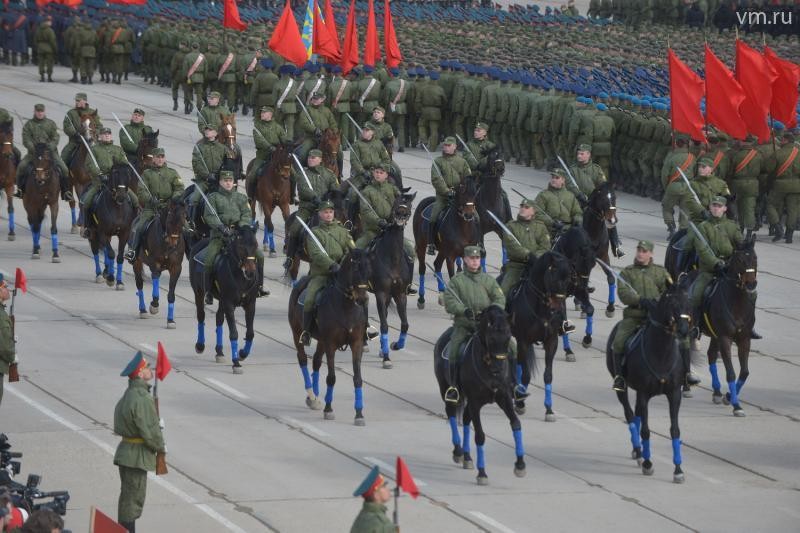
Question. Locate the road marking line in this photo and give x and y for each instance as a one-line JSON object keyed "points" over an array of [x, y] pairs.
{"points": [[580, 424], [111, 451], [107, 325], [227, 388], [308, 427], [491, 521], [389, 469], [89, 317], [43, 294], [688, 471], [148, 347]]}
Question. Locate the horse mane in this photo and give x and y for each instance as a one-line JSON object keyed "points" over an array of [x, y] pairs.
{"points": [[40, 149], [7, 128]]}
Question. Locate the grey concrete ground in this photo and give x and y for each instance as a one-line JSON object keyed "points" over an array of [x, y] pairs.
{"points": [[245, 454]]}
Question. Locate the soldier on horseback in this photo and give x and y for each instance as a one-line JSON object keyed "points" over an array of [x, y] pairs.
{"points": [[105, 155], [560, 206], [135, 130], [313, 183], [229, 210], [41, 130], [368, 152], [211, 115], [477, 154], [7, 122], [447, 172], [267, 134], [336, 242], [469, 293], [385, 134], [315, 119], [529, 240], [643, 284], [72, 124], [207, 159], [162, 184]]}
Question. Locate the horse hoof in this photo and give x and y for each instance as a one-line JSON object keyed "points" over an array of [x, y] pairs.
{"points": [[636, 453], [716, 398], [74, 230], [395, 346], [109, 282], [583, 315], [726, 399], [153, 309], [55, 259], [359, 421], [678, 478], [550, 417], [520, 472], [639, 461], [458, 458], [569, 355], [12, 237], [238, 370], [273, 254], [219, 358], [314, 404], [171, 324], [688, 394], [387, 363], [520, 409], [587, 341], [143, 314], [468, 465], [120, 286], [35, 256], [99, 278], [199, 348], [483, 481], [610, 312], [738, 411], [648, 471], [420, 304]]}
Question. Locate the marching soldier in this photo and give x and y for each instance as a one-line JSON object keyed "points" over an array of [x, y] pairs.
{"points": [[372, 517], [447, 172], [747, 164], [367, 94], [560, 206], [41, 130], [194, 71], [395, 95], [177, 81], [430, 100], [530, 240], [162, 184], [135, 130], [785, 193], [340, 92], [285, 92], [263, 85], [267, 135], [70, 125], [467, 295], [46, 48], [672, 182], [137, 422], [87, 41]]}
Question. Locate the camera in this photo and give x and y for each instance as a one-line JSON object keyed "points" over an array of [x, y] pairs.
{"points": [[27, 496]]}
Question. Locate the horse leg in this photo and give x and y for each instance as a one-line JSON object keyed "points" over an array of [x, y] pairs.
{"points": [[522, 373], [401, 301], [480, 440], [357, 346], [233, 336], [674, 399], [269, 232], [588, 311], [507, 405], [122, 241], [249, 334], [200, 311], [73, 216], [330, 382], [36, 233], [156, 277], [174, 275], [550, 347], [138, 278], [732, 396], [467, 464], [569, 355], [54, 232], [220, 318], [421, 270], [634, 426], [716, 385], [455, 437], [612, 294], [95, 247], [382, 303], [641, 412], [10, 201], [312, 391]]}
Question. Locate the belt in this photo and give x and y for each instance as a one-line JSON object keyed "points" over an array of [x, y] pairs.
{"points": [[133, 440]]}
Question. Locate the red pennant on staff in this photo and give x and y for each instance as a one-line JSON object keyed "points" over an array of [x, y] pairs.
{"points": [[286, 40], [756, 76], [21, 282], [330, 22], [325, 45], [230, 16], [99, 522], [724, 97], [784, 90], [404, 479], [372, 51], [686, 90], [350, 45], [163, 366], [390, 46]]}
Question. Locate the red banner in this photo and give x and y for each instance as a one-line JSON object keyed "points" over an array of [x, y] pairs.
{"points": [[724, 97], [784, 90], [686, 90], [390, 46], [756, 76]]}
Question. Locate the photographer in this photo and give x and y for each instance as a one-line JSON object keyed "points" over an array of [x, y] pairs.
{"points": [[6, 335], [43, 521]]}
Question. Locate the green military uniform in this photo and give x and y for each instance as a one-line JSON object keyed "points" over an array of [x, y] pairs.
{"points": [[107, 155], [70, 125], [131, 144], [285, 93], [322, 180], [340, 95], [381, 197], [43, 131], [87, 41], [785, 192], [395, 95], [477, 154], [262, 87], [207, 158], [430, 100], [366, 97], [561, 207], [232, 210], [176, 81], [447, 172], [587, 175], [706, 188], [321, 119], [534, 240], [7, 348], [603, 136], [267, 136], [193, 71], [372, 519], [46, 49], [119, 45], [137, 422], [72, 44], [746, 168], [211, 115], [367, 154], [672, 182]]}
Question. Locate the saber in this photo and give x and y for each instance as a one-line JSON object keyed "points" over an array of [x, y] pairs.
{"points": [[438, 170], [202, 159], [360, 131], [303, 171], [691, 190], [352, 151], [128, 135], [200, 115], [697, 232], [208, 204], [466, 146], [617, 276], [538, 211], [569, 174], [355, 190], [503, 226], [88, 149], [313, 237], [140, 179], [305, 111]]}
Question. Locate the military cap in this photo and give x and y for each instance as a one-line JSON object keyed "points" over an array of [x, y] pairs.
{"points": [[369, 126], [371, 483], [38, 107], [379, 108], [645, 245], [482, 126], [326, 204], [719, 200], [214, 94], [157, 151], [449, 140], [104, 130], [317, 96], [139, 111], [527, 202], [473, 251], [682, 137], [266, 108], [225, 175], [558, 172], [386, 167], [195, 44], [209, 127], [81, 96], [705, 161], [315, 153], [134, 366], [434, 75], [584, 147]]}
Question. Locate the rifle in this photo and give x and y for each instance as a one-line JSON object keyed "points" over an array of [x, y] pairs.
{"points": [[13, 371], [161, 457]]}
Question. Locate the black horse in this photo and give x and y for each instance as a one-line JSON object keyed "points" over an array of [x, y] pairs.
{"points": [[536, 310], [42, 192], [458, 226], [144, 151], [392, 273], [599, 217], [163, 247], [114, 214], [485, 377], [340, 322], [490, 198], [236, 284], [653, 366]]}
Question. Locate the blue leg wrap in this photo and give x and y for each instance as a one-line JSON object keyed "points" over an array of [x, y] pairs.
{"points": [[739, 385], [612, 293], [97, 270], [440, 281], [120, 259], [638, 421], [518, 446], [142, 307], [715, 382], [481, 458], [219, 336], [171, 311], [156, 283], [385, 344], [201, 333], [36, 236], [565, 341], [271, 238], [458, 261], [466, 439], [636, 440], [483, 264], [589, 325], [248, 345], [646, 449], [505, 255], [548, 395], [315, 382], [454, 436], [401, 341], [73, 216], [235, 350], [54, 241], [265, 240], [519, 374], [676, 451], [359, 403], [329, 394], [734, 392], [306, 377], [11, 222], [421, 285]]}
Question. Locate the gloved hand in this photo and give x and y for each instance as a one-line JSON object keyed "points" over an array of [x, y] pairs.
{"points": [[383, 224], [161, 423], [582, 198], [469, 314], [334, 268], [720, 269], [531, 257], [451, 193], [316, 201], [648, 304], [558, 226], [227, 231]]}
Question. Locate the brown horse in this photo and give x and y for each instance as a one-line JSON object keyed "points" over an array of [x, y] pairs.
{"points": [[8, 172], [42, 191], [226, 135], [144, 152], [78, 172], [272, 189], [330, 144]]}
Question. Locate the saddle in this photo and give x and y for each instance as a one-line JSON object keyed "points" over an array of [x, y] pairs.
{"points": [[630, 344], [426, 217]]}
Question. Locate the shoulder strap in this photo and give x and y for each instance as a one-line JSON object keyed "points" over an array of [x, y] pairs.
{"points": [[789, 160], [686, 164], [746, 161]]}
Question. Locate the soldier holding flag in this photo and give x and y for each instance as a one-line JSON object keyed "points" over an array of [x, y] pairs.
{"points": [[7, 349]]}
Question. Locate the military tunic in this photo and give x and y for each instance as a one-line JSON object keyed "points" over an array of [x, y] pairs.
{"points": [[162, 185], [381, 197], [336, 241], [746, 168], [232, 210], [560, 205], [473, 290], [7, 349], [477, 156], [131, 146], [673, 184], [588, 177], [452, 170], [722, 236], [107, 156], [372, 519], [267, 136], [367, 155], [322, 180], [648, 282], [533, 239], [46, 49], [70, 125], [786, 187], [322, 118], [211, 115], [285, 93], [42, 131]]}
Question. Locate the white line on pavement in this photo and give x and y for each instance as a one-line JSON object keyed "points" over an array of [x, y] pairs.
{"points": [[688, 471], [308, 427], [389, 469], [580, 424], [227, 388], [491, 521], [148, 347], [43, 294], [110, 450], [107, 325], [89, 317]]}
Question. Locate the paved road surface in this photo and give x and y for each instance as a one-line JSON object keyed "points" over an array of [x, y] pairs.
{"points": [[245, 454]]}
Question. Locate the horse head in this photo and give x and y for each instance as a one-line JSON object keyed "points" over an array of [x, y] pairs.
{"points": [[743, 265], [227, 130], [494, 334], [330, 142], [281, 160], [550, 276], [466, 192], [7, 138], [42, 163], [144, 151], [576, 245], [242, 247], [496, 166], [602, 204], [120, 180], [673, 312], [401, 210], [174, 220], [354, 274], [87, 126]]}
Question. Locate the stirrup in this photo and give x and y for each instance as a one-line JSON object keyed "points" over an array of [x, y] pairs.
{"points": [[619, 384], [371, 332], [209, 300], [431, 249], [130, 255], [754, 335], [305, 338], [67, 196], [451, 395], [567, 327], [262, 292], [691, 379], [618, 252], [520, 393], [410, 291]]}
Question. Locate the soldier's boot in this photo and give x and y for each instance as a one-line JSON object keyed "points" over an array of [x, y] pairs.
{"points": [[616, 246], [788, 238], [754, 335], [432, 237], [308, 323], [619, 379], [245, 108], [777, 232], [566, 327], [187, 108], [748, 234], [66, 189], [21, 179], [126, 76], [771, 231], [83, 80], [670, 230], [50, 78], [89, 80], [174, 104], [691, 378], [130, 526], [41, 77], [262, 291], [74, 78], [371, 331], [451, 395], [207, 286]]}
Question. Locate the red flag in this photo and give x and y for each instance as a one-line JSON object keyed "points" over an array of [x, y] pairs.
{"points": [[372, 51], [230, 16], [128, 2], [286, 40], [324, 44], [70, 3], [784, 90], [21, 282], [724, 97], [756, 76], [350, 45], [404, 479], [390, 46], [101, 523], [330, 23], [686, 89], [163, 366]]}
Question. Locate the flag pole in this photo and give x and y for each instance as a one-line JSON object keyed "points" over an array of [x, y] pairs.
{"points": [[395, 517]]}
